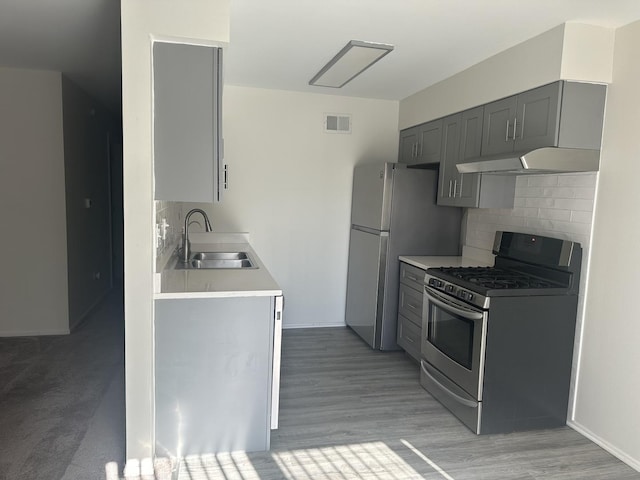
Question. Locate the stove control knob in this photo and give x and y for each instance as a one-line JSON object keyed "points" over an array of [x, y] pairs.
{"points": [[449, 288]]}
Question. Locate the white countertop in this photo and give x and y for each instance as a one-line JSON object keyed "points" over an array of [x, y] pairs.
{"points": [[425, 262], [217, 283]]}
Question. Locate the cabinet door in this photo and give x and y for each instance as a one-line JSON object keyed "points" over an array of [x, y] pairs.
{"points": [[450, 149], [186, 123], [429, 136], [468, 186], [538, 117], [408, 145], [498, 126]]}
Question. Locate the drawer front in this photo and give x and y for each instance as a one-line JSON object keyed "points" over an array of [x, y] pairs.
{"points": [[410, 304], [409, 337], [412, 276]]}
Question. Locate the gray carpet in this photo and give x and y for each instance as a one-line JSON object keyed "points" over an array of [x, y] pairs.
{"points": [[62, 400]]}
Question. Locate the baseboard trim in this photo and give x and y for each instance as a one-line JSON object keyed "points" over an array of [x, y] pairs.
{"points": [[76, 322], [314, 325], [616, 452], [35, 333]]}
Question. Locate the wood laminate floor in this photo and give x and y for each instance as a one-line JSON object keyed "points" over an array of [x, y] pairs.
{"points": [[348, 412]]}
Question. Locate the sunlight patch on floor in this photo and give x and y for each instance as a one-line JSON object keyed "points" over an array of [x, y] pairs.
{"points": [[371, 461]]}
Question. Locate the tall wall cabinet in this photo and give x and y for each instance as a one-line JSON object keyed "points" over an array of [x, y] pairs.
{"points": [[187, 130]]}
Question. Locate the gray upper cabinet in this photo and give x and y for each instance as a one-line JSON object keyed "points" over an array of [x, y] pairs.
{"points": [[462, 140], [187, 87], [421, 144], [523, 122]]}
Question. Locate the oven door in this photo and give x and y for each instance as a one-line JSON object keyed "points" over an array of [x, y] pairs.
{"points": [[453, 340]]}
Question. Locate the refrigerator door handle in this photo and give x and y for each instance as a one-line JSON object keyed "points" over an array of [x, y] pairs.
{"points": [[372, 231]]}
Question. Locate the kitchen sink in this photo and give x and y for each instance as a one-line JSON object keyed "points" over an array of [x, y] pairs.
{"points": [[217, 260]]}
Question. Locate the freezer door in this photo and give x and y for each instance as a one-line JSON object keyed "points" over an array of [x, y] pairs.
{"points": [[365, 284], [371, 199]]}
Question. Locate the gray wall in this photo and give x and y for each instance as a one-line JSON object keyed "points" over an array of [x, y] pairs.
{"points": [[87, 132]]}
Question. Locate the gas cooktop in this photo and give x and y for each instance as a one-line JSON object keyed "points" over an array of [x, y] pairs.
{"points": [[496, 278]]}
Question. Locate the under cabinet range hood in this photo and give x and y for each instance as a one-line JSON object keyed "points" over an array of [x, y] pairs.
{"points": [[536, 162]]}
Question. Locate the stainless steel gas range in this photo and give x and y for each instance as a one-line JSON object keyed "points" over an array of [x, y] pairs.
{"points": [[497, 342]]}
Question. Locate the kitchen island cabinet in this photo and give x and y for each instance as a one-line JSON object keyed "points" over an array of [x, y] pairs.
{"points": [[217, 339], [214, 374]]}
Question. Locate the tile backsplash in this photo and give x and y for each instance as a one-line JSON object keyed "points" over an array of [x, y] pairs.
{"points": [[172, 212], [559, 206]]}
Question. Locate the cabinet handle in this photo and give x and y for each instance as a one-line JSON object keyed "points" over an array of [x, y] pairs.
{"points": [[506, 133], [419, 150], [515, 127], [226, 177], [521, 128], [460, 189], [450, 184], [411, 277], [455, 188]]}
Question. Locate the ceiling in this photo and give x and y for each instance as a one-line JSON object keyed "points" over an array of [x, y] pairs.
{"points": [[281, 44]]}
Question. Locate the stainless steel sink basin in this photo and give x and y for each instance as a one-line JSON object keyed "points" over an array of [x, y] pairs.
{"points": [[220, 256], [217, 260]]}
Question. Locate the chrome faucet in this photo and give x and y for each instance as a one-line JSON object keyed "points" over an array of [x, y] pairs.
{"points": [[186, 247]]}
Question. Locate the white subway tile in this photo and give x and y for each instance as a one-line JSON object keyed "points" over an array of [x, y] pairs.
{"points": [[581, 217], [539, 223], [522, 181], [518, 201], [540, 202], [578, 180], [543, 181], [530, 192], [553, 214], [585, 192], [512, 221], [584, 205]]}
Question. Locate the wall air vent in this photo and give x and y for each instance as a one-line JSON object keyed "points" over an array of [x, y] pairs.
{"points": [[337, 123]]}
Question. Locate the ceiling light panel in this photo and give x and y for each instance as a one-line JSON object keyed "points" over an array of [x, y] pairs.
{"points": [[350, 62]]}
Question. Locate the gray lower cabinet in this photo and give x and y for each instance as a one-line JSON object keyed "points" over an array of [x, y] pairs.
{"points": [[421, 144], [461, 141], [187, 95], [410, 309], [213, 374]]}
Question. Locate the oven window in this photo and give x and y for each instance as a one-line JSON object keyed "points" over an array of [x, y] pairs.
{"points": [[452, 335]]}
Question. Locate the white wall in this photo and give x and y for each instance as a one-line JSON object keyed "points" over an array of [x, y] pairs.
{"points": [[570, 52], [141, 20], [608, 389], [290, 187], [33, 293]]}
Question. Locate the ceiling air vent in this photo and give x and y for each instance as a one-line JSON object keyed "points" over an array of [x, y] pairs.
{"points": [[337, 123]]}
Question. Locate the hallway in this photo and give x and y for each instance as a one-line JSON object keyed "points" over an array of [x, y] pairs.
{"points": [[62, 400]]}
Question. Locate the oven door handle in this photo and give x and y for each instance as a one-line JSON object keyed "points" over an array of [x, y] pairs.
{"points": [[452, 307], [464, 401]]}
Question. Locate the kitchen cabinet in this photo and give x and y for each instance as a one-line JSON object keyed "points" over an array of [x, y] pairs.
{"points": [[421, 144], [461, 141], [187, 94], [216, 374], [410, 309], [561, 114]]}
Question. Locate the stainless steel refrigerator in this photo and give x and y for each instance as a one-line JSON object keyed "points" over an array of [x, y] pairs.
{"points": [[393, 213]]}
